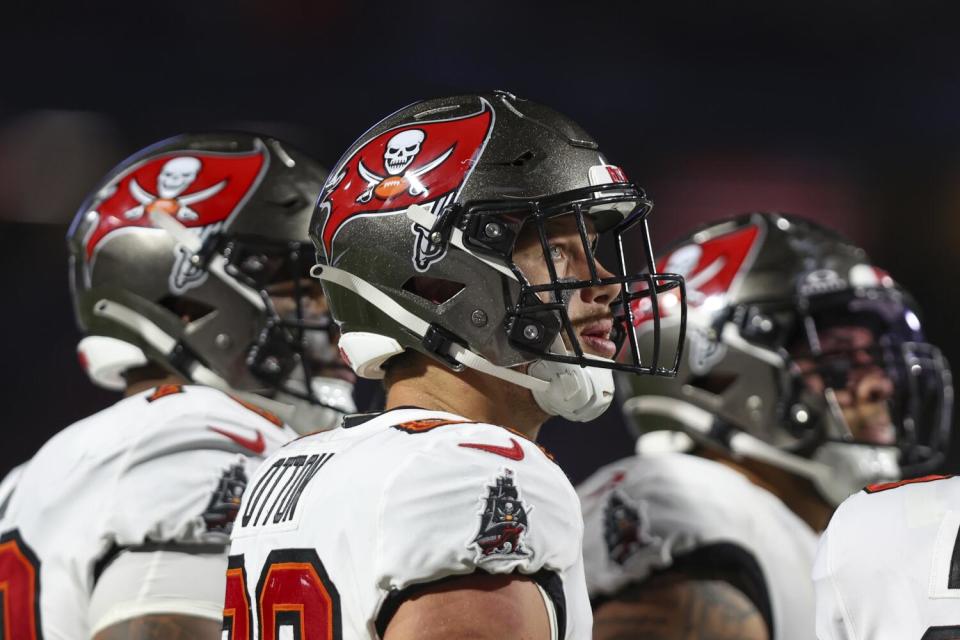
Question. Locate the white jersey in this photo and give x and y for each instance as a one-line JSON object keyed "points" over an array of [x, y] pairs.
{"points": [[7, 485], [163, 467], [366, 513], [888, 567], [649, 513]]}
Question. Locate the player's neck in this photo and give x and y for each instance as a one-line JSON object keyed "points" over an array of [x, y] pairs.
{"points": [[797, 493], [469, 393], [142, 385]]}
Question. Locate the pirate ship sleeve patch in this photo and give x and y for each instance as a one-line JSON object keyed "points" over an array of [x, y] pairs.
{"points": [[224, 502], [503, 521], [450, 510], [626, 528]]}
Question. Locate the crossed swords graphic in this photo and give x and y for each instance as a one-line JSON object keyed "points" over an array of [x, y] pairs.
{"points": [[416, 188], [184, 212]]}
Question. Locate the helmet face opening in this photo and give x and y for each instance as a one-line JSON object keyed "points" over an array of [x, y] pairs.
{"points": [[798, 342], [583, 261], [298, 339], [861, 357]]}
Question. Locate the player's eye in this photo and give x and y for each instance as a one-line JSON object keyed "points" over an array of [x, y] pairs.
{"points": [[556, 252]]}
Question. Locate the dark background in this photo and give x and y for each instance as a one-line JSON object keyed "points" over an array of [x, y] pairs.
{"points": [[847, 112]]}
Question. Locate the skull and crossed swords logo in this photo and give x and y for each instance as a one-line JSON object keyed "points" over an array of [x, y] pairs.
{"points": [[175, 177], [401, 150]]}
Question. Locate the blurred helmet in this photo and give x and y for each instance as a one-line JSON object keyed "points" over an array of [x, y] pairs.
{"points": [[763, 376], [433, 198], [173, 260]]}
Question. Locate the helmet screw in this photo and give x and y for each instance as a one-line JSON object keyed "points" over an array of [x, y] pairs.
{"points": [[763, 323], [271, 365], [222, 341], [492, 230], [478, 317], [531, 332], [253, 264], [436, 237], [800, 414], [195, 260]]}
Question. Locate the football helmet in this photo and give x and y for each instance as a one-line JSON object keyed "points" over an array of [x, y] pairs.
{"points": [[434, 197], [175, 258], [765, 292]]}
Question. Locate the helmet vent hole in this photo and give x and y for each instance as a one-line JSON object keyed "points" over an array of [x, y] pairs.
{"points": [[523, 158], [433, 112], [715, 383], [186, 309], [434, 290], [286, 196]]}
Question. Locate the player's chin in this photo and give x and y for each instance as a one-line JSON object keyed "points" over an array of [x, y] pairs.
{"points": [[880, 434]]}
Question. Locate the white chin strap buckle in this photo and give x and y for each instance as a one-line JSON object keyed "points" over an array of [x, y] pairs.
{"points": [[575, 393]]}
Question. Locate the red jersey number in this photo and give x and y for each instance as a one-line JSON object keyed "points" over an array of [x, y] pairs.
{"points": [[293, 591], [236, 604], [19, 589]]}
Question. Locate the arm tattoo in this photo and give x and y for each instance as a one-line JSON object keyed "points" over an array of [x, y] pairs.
{"points": [[162, 627], [675, 607]]}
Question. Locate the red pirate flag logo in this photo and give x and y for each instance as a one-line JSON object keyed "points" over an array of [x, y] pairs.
{"points": [[201, 190], [709, 268], [424, 163]]}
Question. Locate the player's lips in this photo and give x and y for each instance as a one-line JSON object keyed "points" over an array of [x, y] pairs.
{"points": [[340, 371], [595, 338]]}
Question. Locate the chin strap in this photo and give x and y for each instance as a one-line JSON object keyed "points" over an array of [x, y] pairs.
{"points": [[567, 390], [302, 416], [108, 357], [837, 469]]}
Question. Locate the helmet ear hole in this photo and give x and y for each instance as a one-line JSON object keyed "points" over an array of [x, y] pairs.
{"points": [[434, 290]]}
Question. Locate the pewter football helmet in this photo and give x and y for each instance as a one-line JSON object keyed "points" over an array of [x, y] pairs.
{"points": [[435, 196], [763, 288], [172, 261]]}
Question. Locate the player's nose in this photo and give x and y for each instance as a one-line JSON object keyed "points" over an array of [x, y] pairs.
{"points": [[600, 294]]}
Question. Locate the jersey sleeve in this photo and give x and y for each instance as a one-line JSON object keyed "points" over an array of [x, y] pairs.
{"points": [[138, 584], [651, 514], [7, 487], [469, 503], [888, 560], [181, 484], [831, 614]]}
